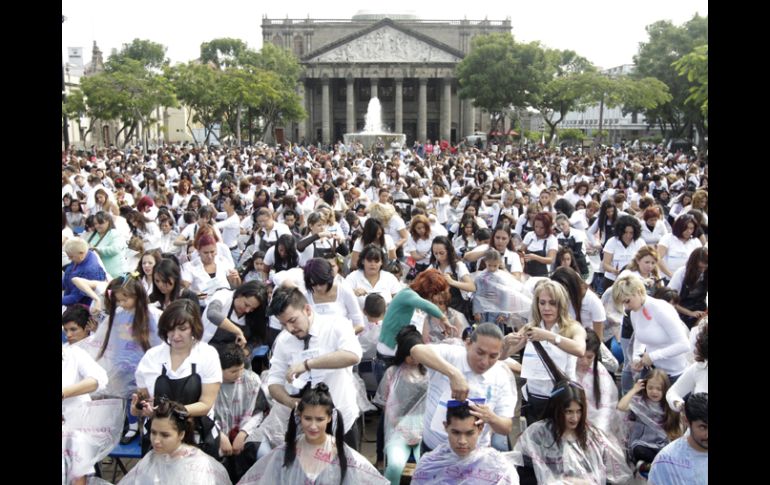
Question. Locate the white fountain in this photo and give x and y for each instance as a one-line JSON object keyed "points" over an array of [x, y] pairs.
{"points": [[374, 132]]}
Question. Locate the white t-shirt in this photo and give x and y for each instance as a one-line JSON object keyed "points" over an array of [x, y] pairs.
{"points": [[654, 236], [358, 246], [591, 310], [77, 365], [659, 331], [230, 229], [621, 255], [386, 286], [395, 224], [494, 385], [422, 246], [678, 252]]}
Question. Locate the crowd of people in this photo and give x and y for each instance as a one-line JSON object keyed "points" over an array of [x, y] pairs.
{"points": [[512, 314]]}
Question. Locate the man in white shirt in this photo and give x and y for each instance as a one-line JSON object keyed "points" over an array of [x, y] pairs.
{"points": [[473, 371], [313, 348]]}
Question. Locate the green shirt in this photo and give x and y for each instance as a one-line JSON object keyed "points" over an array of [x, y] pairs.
{"points": [[400, 312]]}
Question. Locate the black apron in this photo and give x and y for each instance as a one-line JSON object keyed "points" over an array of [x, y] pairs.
{"points": [[457, 301], [526, 228], [186, 390], [534, 268], [577, 250], [694, 299], [265, 245]]}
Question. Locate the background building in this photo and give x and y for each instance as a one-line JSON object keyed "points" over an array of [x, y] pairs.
{"points": [[406, 62]]}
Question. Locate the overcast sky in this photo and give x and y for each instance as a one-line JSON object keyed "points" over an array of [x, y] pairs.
{"points": [[607, 32]]}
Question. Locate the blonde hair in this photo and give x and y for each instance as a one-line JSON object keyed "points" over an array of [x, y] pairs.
{"points": [[75, 245], [567, 324], [643, 252], [698, 196], [382, 212], [627, 286]]}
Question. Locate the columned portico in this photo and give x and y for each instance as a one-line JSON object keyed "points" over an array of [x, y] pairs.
{"points": [[422, 110], [399, 127]]}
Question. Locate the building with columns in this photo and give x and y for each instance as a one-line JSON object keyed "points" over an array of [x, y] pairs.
{"points": [[407, 63]]}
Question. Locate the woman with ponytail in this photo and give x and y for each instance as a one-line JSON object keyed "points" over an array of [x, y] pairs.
{"points": [[314, 451], [122, 337], [601, 391]]}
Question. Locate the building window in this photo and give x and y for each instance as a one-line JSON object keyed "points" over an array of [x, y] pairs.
{"points": [[364, 90], [277, 40], [409, 92], [299, 46], [341, 92], [433, 92], [386, 93]]}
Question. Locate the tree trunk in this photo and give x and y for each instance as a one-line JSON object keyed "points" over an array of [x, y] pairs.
{"points": [[238, 126]]}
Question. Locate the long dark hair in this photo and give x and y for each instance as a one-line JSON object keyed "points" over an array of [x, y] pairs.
{"points": [[369, 235], [575, 285], [562, 395], [691, 272], [407, 338], [140, 326], [603, 216], [593, 344], [316, 396], [256, 321], [292, 257], [168, 270], [450, 252]]}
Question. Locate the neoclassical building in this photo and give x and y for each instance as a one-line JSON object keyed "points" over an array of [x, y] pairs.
{"points": [[407, 63]]}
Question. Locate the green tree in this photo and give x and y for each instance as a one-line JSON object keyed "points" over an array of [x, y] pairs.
{"points": [[281, 103], [129, 92], [695, 67], [223, 52], [565, 90], [572, 134], [150, 54], [499, 73], [198, 87], [75, 108], [667, 44]]}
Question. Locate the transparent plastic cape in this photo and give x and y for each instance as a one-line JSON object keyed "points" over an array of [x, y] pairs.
{"points": [[235, 404], [362, 399], [89, 432], [604, 415], [485, 466], [123, 353], [187, 465], [645, 428], [614, 317], [557, 463], [500, 292], [402, 392], [273, 427], [269, 470]]}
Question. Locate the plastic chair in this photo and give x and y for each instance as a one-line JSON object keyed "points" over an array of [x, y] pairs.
{"points": [[133, 450]]}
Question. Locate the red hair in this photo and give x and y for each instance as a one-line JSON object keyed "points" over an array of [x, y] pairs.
{"points": [[430, 282]]}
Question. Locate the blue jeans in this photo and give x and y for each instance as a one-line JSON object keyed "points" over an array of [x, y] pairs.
{"points": [[626, 376]]}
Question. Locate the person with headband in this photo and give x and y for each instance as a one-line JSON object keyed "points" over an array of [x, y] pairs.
{"points": [[319, 454]]}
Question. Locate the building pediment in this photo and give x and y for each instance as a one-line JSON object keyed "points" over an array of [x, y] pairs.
{"points": [[386, 42]]}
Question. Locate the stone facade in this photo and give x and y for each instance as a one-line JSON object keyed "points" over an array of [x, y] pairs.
{"points": [[407, 63]]}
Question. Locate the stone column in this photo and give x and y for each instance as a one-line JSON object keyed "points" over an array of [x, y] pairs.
{"points": [[399, 128], [469, 118], [445, 126], [325, 115], [351, 105], [422, 110], [374, 83], [302, 124]]}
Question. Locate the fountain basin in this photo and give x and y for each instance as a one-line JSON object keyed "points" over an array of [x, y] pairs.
{"points": [[368, 140]]}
